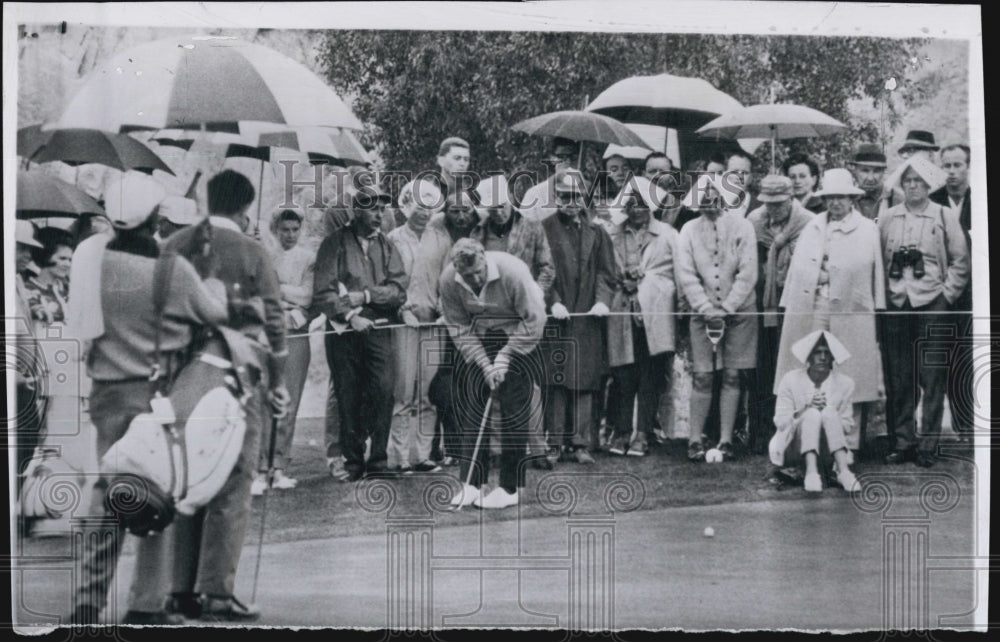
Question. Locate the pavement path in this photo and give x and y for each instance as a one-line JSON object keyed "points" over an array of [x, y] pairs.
{"points": [[809, 564]]}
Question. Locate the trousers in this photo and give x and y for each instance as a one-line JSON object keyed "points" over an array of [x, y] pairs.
{"points": [[568, 417], [208, 544], [296, 369], [645, 377], [514, 394], [113, 406], [361, 369], [412, 431], [915, 372]]}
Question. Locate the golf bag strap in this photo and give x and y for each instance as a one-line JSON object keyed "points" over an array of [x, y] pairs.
{"points": [[162, 275]]}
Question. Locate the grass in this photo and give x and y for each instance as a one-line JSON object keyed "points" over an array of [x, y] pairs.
{"points": [[322, 507]]}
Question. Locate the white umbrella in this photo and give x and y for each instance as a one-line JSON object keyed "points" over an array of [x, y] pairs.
{"points": [[777, 121], [203, 81]]}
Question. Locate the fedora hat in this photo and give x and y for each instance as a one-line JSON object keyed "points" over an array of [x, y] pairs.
{"points": [[919, 139], [839, 182], [869, 154]]}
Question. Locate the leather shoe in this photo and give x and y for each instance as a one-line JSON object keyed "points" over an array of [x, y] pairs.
{"points": [[156, 618], [228, 609], [926, 459], [186, 604], [900, 456]]}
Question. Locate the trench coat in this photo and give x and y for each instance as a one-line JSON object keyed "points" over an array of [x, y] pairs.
{"points": [[584, 276], [656, 295], [857, 285]]}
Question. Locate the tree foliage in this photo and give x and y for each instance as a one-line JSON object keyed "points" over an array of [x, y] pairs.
{"points": [[415, 88]]}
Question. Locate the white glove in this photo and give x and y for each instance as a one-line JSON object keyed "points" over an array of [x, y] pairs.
{"points": [[599, 310], [559, 311], [498, 371]]}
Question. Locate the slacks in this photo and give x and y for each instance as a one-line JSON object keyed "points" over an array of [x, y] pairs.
{"points": [[514, 395], [296, 369], [914, 372], [361, 368], [645, 377], [208, 544], [412, 431], [113, 406]]}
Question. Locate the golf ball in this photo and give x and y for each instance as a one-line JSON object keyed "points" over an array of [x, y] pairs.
{"points": [[713, 456], [709, 531], [312, 442]]}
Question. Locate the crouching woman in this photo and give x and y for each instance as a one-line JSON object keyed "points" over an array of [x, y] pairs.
{"points": [[814, 403]]}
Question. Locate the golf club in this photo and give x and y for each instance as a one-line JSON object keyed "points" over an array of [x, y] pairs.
{"points": [[263, 511], [475, 450]]}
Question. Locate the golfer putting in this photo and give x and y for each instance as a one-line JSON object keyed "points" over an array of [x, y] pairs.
{"points": [[496, 317]]}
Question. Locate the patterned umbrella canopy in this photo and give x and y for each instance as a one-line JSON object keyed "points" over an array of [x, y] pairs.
{"points": [[82, 146], [580, 126], [190, 82], [40, 195]]}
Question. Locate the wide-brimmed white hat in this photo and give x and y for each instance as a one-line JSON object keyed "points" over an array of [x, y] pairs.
{"points": [[493, 191], [131, 198], [25, 233], [839, 182], [420, 192], [804, 346], [928, 171]]}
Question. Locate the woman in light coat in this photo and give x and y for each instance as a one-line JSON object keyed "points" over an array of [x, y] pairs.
{"points": [[836, 283], [814, 405]]}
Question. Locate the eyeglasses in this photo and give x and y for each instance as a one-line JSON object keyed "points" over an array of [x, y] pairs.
{"points": [[569, 198]]}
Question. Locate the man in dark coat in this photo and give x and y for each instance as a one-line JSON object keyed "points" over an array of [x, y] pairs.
{"points": [[957, 195], [584, 283], [360, 280]]}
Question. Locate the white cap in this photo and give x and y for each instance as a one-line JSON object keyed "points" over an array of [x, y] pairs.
{"points": [[130, 199], [25, 233], [493, 191], [179, 210]]}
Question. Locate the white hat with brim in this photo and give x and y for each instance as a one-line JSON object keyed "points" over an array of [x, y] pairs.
{"points": [[651, 194], [179, 210], [928, 171], [804, 346], [25, 233], [839, 182], [423, 193], [493, 191], [129, 200]]}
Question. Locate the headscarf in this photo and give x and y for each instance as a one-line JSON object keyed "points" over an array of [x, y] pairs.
{"points": [[928, 171], [776, 266], [804, 346]]}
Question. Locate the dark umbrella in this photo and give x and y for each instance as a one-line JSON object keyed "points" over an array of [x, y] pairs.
{"points": [[29, 140], [40, 195], [78, 146], [676, 102]]}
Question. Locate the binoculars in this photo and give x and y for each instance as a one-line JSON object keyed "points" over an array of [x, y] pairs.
{"points": [[908, 256]]}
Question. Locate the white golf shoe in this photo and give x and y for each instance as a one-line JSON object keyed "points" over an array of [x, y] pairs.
{"points": [[466, 496], [499, 498], [847, 479], [258, 486], [813, 483]]}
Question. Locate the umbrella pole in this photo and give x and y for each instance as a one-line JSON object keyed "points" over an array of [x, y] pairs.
{"points": [[773, 136], [260, 195]]}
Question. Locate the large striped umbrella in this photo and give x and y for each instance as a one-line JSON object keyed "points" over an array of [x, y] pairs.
{"points": [[203, 81]]}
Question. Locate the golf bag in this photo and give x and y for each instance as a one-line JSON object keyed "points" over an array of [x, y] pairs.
{"points": [[177, 457]]}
